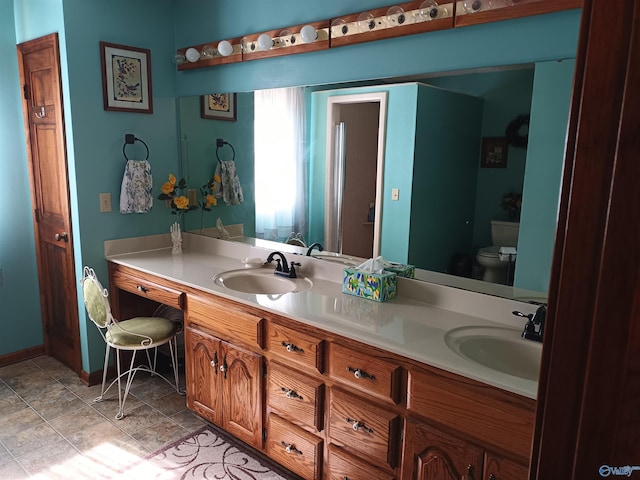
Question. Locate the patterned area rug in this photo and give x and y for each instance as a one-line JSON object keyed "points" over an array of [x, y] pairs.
{"points": [[207, 453]]}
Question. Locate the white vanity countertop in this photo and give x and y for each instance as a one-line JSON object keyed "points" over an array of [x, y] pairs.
{"points": [[413, 324]]}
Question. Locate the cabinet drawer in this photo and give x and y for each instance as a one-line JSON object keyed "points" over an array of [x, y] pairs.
{"points": [[370, 374], [148, 289], [296, 396], [358, 425], [344, 466], [297, 347], [294, 448], [226, 321], [493, 416]]}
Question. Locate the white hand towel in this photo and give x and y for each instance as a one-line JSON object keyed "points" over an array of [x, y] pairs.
{"points": [[135, 193]]}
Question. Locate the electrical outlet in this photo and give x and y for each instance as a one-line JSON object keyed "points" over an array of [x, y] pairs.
{"points": [[105, 202], [395, 193]]}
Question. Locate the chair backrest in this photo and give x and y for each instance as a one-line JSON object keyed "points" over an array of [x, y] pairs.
{"points": [[96, 299]]}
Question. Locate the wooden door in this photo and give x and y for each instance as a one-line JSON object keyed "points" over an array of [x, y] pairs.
{"points": [[242, 394], [44, 128], [589, 392], [432, 455], [204, 378]]}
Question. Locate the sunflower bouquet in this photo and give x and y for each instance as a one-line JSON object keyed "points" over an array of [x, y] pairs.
{"points": [[171, 192]]}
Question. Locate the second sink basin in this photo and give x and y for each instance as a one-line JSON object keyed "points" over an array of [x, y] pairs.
{"points": [[500, 349], [260, 281]]}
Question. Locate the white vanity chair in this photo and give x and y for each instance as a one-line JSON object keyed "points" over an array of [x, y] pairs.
{"points": [[503, 234]]}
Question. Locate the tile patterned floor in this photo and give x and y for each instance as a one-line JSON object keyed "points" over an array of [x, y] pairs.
{"points": [[50, 428]]}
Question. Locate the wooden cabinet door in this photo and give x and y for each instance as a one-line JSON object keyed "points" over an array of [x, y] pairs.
{"points": [[203, 374], [241, 372], [432, 455], [497, 468]]}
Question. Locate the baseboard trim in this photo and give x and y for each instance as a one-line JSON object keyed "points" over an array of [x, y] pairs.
{"points": [[95, 378], [21, 355]]}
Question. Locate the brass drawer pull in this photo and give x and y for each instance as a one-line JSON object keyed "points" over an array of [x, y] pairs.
{"points": [[290, 448], [358, 373], [142, 289], [358, 425], [291, 393], [291, 347]]}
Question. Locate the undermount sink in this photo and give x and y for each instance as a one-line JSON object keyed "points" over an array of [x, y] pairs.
{"points": [[260, 281], [497, 348]]}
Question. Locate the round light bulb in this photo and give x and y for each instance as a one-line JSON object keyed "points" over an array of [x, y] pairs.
{"points": [[208, 51], [366, 23], [225, 48], [308, 34], [179, 58], [192, 55], [264, 42], [339, 27], [396, 16]]}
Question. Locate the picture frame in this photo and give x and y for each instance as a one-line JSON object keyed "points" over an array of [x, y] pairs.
{"points": [[126, 78], [219, 106], [494, 152]]}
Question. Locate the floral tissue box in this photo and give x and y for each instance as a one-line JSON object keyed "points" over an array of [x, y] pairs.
{"points": [[408, 271], [378, 287]]}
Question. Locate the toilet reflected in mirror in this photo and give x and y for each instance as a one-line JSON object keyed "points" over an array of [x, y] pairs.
{"points": [[503, 234]]}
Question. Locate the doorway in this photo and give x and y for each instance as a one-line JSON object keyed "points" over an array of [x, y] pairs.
{"points": [[354, 174], [39, 66]]}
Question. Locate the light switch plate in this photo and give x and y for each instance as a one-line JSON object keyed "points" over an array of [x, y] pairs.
{"points": [[105, 202], [395, 193]]}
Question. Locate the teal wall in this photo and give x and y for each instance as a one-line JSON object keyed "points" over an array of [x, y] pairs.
{"points": [[545, 156], [444, 175], [95, 136], [20, 317], [398, 153], [198, 149], [505, 95]]}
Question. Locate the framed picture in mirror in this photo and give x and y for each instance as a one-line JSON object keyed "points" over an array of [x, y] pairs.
{"points": [[494, 152], [126, 78], [219, 106]]}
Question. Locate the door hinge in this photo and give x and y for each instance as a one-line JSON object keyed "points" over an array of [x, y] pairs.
{"points": [[25, 89], [264, 434], [264, 369], [37, 215]]}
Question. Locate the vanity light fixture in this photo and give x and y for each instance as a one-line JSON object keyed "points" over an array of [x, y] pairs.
{"points": [[192, 55], [429, 10], [308, 34], [285, 38], [473, 6], [265, 42], [225, 48], [396, 16], [366, 22], [179, 58], [339, 28], [208, 52]]}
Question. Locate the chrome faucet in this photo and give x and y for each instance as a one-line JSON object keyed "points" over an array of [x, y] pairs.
{"points": [[312, 246], [282, 267], [530, 331]]}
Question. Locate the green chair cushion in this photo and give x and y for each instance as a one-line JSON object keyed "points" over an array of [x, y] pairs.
{"points": [[95, 302], [158, 329]]}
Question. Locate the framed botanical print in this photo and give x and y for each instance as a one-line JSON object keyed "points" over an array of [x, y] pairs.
{"points": [[126, 78], [219, 106]]}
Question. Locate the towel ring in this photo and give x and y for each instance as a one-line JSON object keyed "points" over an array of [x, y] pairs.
{"points": [[221, 143], [130, 139]]}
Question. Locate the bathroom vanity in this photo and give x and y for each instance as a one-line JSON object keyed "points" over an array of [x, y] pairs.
{"points": [[332, 386]]}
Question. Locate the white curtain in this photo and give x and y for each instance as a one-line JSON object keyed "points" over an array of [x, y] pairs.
{"points": [[280, 167]]}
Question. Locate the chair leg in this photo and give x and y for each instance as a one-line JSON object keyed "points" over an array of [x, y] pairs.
{"points": [[130, 374], [104, 375], [173, 350]]}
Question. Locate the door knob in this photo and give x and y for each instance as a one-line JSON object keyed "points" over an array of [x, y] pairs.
{"points": [[61, 236]]}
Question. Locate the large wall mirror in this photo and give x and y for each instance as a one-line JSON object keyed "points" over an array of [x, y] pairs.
{"points": [[438, 172]]}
